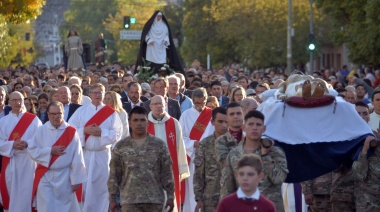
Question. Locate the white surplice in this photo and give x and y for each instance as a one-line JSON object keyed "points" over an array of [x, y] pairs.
{"points": [[54, 191], [20, 171], [187, 121], [160, 131], [97, 155]]}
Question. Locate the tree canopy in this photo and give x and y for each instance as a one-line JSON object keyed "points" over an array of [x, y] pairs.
{"points": [[250, 32], [356, 24], [15, 22]]}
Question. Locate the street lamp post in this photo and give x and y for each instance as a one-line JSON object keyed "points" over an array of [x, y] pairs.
{"points": [[311, 34], [289, 39]]}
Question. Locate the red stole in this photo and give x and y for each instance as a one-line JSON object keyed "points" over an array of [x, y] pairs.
{"points": [[200, 124], [64, 140], [171, 138], [99, 117], [16, 134], [196, 133]]}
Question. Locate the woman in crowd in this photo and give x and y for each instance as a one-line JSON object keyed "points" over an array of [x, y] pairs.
{"points": [[115, 87], [47, 89], [36, 82], [53, 95], [225, 85], [18, 87], [212, 102], [43, 100], [237, 94], [29, 105], [112, 99], [76, 94]]}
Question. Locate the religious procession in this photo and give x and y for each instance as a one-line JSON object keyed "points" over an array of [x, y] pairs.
{"points": [[155, 136]]}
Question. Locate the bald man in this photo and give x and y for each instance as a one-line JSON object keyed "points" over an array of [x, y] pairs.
{"points": [[249, 104], [17, 171], [162, 125]]}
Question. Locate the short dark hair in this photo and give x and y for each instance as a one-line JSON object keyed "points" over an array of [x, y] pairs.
{"points": [[215, 82], [127, 75], [341, 90], [243, 77], [360, 85], [373, 95], [138, 110], [251, 160], [217, 110], [254, 114], [62, 77], [43, 95], [361, 104], [113, 76], [233, 104], [55, 103]]}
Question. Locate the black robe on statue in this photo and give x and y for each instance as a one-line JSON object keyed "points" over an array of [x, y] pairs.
{"points": [[171, 51]]}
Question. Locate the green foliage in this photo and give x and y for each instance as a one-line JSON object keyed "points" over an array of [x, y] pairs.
{"points": [[142, 10], [5, 43], [356, 24], [13, 46], [20, 11], [250, 32]]}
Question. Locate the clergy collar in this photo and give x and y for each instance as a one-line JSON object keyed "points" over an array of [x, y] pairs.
{"points": [[97, 107], [255, 196], [155, 121], [21, 113]]}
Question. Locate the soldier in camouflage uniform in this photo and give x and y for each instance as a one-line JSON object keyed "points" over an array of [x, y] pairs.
{"points": [[367, 178], [140, 169], [317, 193], [207, 169], [273, 158], [228, 141], [342, 190]]}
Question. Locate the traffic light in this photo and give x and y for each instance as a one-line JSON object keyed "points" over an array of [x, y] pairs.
{"points": [[133, 20], [311, 45], [127, 22]]}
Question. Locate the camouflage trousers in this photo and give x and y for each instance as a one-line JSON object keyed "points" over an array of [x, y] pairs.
{"points": [[367, 206], [338, 206], [142, 207], [209, 209], [321, 203]]}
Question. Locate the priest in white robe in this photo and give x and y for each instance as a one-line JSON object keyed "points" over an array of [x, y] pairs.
{"points": [[96, 138], [19, 173], [190, 119], [56, 188], [158, 117]]}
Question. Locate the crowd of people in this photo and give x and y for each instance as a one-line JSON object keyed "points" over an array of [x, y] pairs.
{"points": [[97, 139]]}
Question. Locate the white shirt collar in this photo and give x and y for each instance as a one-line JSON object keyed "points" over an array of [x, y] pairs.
{"points": [[133, 105], [241, 195]]}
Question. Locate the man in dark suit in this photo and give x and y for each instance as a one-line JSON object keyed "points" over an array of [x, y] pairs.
{"points": [[64, 96], [216, 90], [127, 78], [4, 109], [161, 86], [134, 97], [127, 82]]}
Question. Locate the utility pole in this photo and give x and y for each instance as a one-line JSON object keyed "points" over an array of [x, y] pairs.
{"points": [[289, 68], [311, 35]]}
